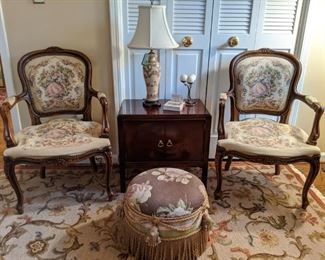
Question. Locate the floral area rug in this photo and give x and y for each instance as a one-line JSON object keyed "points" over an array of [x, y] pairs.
{"points": [[67, 216]]}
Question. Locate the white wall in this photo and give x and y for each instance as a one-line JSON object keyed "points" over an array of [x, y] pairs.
{"points": [[80, 25], [314, 81]]}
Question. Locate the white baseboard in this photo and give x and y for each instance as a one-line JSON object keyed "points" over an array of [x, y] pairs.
{"points": [[322, 157]]}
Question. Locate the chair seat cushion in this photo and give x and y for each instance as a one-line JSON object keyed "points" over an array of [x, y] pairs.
{"points": [[57, 137], [166, 192], [266, 137]]}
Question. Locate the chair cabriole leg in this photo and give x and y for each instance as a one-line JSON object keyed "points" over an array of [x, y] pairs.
{"points": [[228, 163], [313, 171], [218, 165], [9, 169], [93, 163], [108, 171]]}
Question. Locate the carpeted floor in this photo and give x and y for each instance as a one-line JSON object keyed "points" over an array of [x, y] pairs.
{"points": [[67, 216]]}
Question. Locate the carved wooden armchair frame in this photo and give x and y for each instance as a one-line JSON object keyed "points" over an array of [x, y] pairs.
{"points": [[36, 115], [311, 102]]}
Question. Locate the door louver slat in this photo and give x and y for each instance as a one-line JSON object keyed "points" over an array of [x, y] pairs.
{"points": [[189, 16], [133, 12], [279, 16], [235, 16]]}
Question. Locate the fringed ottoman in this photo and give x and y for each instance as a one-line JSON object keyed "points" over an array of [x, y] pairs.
{"points": [[165, 216]]}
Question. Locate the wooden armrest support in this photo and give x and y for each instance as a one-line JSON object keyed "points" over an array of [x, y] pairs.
{"points": [[103, 101], [319, 110], [101, 95], [10, 101], [223, 97], [8, 130], [221, 125]]}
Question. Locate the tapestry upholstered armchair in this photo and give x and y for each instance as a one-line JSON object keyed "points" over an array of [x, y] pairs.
{"points": [[265, 82], [55, 82]]}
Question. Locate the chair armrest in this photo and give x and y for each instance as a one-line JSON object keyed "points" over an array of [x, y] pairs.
{"points": [[319, 110], [103, 101], [8, 132], [221, 124]]}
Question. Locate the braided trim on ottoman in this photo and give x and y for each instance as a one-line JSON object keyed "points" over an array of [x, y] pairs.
{"points": [[151, 237]]}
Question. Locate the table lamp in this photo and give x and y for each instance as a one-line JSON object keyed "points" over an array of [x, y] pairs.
{"points": [[152, 32]]}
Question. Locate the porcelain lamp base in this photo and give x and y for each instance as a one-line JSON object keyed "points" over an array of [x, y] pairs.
{"points": [[151, 73], [147, 103]]}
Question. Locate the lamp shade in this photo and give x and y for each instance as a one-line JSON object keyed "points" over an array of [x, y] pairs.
{"points": [[152, 30]]}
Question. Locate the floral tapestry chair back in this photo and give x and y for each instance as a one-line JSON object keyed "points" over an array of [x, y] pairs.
{"points": [[55, 81], [263, 80]]}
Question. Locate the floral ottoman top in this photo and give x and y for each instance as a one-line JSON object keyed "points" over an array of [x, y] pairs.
{"points": [[166, 192]]}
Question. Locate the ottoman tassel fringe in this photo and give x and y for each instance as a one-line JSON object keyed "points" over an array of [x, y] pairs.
{"points": [[187, 248], [149, 237]]}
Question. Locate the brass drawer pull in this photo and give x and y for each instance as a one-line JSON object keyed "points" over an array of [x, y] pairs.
{"points": [[160, 144], [169, 143]]}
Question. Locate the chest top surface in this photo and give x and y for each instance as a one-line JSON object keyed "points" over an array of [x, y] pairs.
{"points": [[134, 107]]}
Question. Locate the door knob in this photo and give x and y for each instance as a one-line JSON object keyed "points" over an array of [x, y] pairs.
{"points": [[233, 41], [187, 41]]}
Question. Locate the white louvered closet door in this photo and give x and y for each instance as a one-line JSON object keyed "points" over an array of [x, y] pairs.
{"points": [[257, 24], [134, 82], [189, 18], [185, 18], [278, 24], [231, 18]]}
